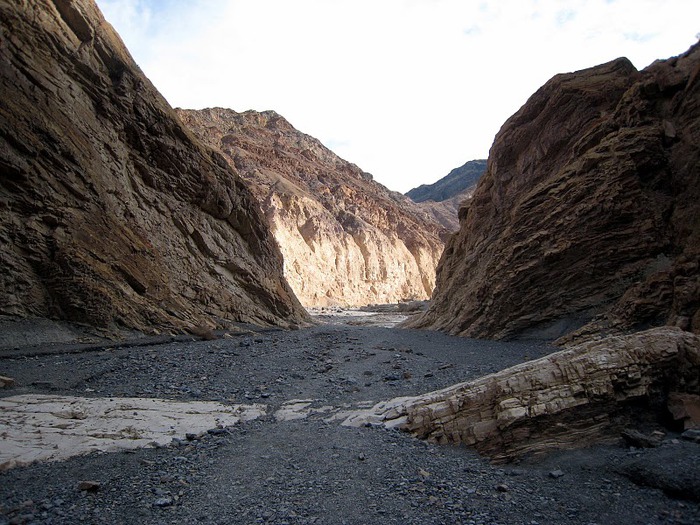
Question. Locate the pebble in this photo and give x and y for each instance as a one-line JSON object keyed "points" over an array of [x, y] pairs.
{"points": [[89, 486], [691, 435], [308, 471]]}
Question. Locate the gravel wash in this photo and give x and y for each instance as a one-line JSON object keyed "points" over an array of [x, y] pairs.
{"points": [[313, 470]]}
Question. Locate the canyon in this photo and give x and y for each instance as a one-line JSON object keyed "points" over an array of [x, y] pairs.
{"points": [[346, 239], [119, 212]]}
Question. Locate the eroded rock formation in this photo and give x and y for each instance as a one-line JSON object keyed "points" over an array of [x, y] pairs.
{"points": [[110, 210], [573, 398], [346, 239], [589, 209]]}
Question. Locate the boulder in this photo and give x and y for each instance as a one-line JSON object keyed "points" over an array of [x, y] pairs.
{"points": [[586, 394]]}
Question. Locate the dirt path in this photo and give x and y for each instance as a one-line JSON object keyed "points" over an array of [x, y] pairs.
{"points": [[311, 469]]}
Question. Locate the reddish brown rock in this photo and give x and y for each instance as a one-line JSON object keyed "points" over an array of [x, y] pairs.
{"points": [[110, 210], [346, 239], [589, 210], [446, 213]]}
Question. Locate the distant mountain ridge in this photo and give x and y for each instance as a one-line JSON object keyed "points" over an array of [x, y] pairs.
{"points": [[457, 181], [442, 199]]}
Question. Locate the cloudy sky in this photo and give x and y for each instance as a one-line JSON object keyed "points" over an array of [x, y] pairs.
{"points": [[405, 89]]}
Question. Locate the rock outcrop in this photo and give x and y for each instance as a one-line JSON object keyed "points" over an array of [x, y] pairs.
{"points": [[111, 211], [589, 211], [446, 213], [346, 239], [583, 395]]}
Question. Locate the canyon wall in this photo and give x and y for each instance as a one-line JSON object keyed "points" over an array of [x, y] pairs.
{"points": [[346, 239], [588, 214], [111, 212]]}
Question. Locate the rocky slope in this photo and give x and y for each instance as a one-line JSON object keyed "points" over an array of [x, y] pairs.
{"points": [[454, 183], [589, 211], [111, 212], [346, 239], [442, 199]]}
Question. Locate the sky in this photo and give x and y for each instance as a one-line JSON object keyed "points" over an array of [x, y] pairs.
{"points": [[405, 89]]}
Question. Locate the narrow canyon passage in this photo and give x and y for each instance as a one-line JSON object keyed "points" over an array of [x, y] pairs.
{"points": [[115, 397]]}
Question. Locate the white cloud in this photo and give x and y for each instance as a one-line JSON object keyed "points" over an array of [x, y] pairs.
{"points": [[406, 89]]}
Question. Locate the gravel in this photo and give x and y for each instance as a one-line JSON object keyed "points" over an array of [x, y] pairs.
{"points": [[312, 471]]}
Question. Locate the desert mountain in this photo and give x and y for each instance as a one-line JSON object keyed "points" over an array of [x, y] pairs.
{"points": [[442, 199], [457, 182], [110, 210], [589, 210], [346, 239]]}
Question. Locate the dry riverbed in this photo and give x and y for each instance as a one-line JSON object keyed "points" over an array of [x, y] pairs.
{"points": [[289, 459]]}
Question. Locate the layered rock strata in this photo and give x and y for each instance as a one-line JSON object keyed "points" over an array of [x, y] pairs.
{"points": [[589, 210], [110, 210], [346, 239], [446, 213], [573, 398]]}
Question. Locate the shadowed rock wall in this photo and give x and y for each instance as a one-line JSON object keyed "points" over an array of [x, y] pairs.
{"points": [[110, 210], [589, 211]]}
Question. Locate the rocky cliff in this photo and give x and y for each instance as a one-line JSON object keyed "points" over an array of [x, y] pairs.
{"points": [[589, 211], [346, 239], [111, 212]]}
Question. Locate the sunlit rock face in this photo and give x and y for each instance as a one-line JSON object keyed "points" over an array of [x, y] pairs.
{"points": [[112, 212], [346, 240], [589, 211]]}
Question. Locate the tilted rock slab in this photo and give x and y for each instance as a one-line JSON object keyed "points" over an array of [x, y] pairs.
{"points": [[589, 208], [111, 211], [346, 239], [569, 399]]}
